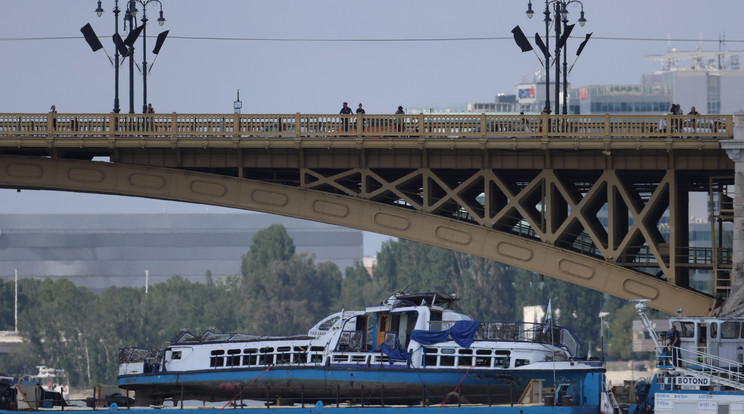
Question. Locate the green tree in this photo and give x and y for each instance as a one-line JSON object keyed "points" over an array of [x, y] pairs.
{"points": [[619, 337], [356, 287], [281, 292], [269, 245]]}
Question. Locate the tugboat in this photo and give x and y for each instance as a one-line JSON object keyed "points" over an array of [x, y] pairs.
{"points": [[706, 373], [411, 348]]}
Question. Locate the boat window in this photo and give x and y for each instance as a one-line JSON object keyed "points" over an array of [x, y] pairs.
{"points": [[465, 361], [350, 341], [483, 352], [430, 358], [714, 329], [283, 349], [502, 362], [407, 325], [233, 358], [267, 356], [249, 359], [435, 320], [730, 330], [176, 355], [520, 362], [447, 351], [686, 329], [317, 349], [327, 324], [394, 323], [447, 361], [361, 326], [465, 352], [284, 358], [391, 339], [482, 362], [217, 359]]}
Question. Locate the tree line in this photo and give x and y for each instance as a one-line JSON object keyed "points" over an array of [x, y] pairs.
{"points": [[276, 292]]}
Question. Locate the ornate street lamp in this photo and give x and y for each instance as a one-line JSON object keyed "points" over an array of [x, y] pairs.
{"points": [[545, 49], [99, 12], [161, 21], [567, 32], [560, 8]]}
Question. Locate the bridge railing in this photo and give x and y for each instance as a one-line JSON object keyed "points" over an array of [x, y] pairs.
{"points": [[368, 125]]}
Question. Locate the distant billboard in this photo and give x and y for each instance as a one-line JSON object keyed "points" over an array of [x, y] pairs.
{"points": [[526, 93]]}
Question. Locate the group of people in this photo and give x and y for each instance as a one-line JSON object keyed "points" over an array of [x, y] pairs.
{"points": [[676, 109], [346, 110]]}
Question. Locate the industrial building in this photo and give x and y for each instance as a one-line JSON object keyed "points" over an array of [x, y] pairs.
{"points": [[103, 250]]}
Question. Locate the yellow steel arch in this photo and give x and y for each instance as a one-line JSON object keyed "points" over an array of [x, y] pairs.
{"points": [[189, 186]]}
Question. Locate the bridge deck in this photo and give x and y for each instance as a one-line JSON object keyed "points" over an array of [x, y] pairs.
{"points": [[177, 125]]}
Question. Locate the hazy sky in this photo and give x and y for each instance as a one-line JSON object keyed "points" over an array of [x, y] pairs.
{"points": [[362, 52]]}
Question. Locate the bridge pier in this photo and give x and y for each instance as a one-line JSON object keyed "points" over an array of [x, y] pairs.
{"points": [[735, 150]]}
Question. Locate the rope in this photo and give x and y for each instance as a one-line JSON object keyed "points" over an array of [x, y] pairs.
{"points": [[241, 390], [458, 386]]}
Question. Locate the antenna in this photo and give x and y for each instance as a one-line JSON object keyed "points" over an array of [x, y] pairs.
{"points": [[16, 300], [237, 105]]}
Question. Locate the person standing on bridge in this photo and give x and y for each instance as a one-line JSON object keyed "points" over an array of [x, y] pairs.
{"points": [[150, 110], [693, 112], [399, 120], [53, 111], [345, 110], [361, 111]]}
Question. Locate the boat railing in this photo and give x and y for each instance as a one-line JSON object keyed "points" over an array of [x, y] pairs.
{"points": [[129, 355], [722, 371], [522, 332]]}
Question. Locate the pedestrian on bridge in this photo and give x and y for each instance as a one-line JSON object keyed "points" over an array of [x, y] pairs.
{"points": [[345, 110], [400, 120], [361, 111], [53, 111]]}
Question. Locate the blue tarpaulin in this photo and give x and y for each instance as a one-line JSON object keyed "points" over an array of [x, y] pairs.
{"points": [[462, 332]]}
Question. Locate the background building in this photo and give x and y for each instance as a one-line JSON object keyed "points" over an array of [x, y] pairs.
{"points": [[709, 81], [101, 250]]}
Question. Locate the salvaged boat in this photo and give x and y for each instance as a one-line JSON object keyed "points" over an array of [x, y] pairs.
{"points": [[410, 348]]}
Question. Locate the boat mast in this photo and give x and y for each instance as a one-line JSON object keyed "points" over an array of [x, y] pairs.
{"points": [[16, 300]]}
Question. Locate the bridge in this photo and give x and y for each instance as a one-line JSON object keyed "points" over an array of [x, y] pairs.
{"points": [[581, 198]]}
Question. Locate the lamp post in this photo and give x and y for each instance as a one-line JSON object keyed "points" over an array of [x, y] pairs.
{"points": [[99, 12], [161, 21], [561, 16], [564, 19], [129, 17], [546, 51]]}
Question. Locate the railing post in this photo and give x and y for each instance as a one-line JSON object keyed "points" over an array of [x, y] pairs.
{"points": [[544, 124], [236, 125], [298, 124], [51, 123], [669, 126], [607, 128], [421, 125], [174, 124], [483, 125]]}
